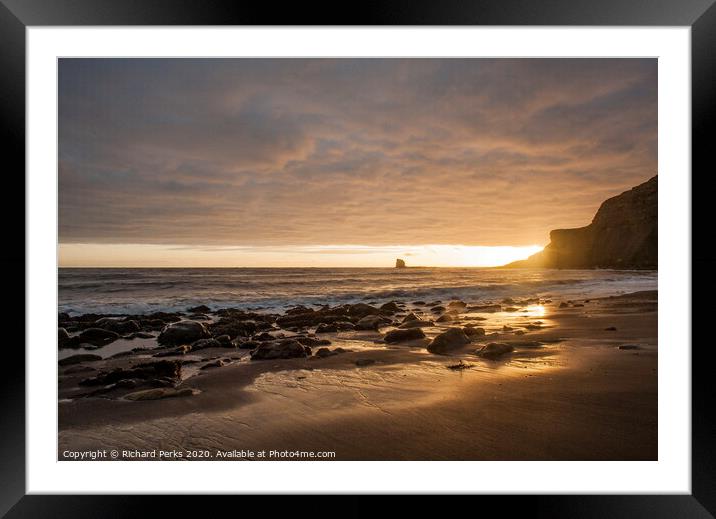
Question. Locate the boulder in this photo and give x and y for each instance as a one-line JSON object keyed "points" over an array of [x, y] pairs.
{"points": [[117, 324], [390, 308], [410, 317], [203, 344], [494, 350], [417, 324], [201, 309], [450, 339], [310, 341], [399, 335], [327, 328], [457, 305], [182, 332], [76, 359], [97, 336], [445, 318], [473, 331], [62, 336], [370, 322], [148, 370], [284, 349]]}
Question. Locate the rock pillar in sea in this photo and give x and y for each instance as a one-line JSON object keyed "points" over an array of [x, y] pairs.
{"points": [[399, 264]]}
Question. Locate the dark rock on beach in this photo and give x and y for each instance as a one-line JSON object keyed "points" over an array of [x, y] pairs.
{"points": [[451, 339], [77, 359], [284, 349], [494, 350], [473, 331], [417, 324], [410, 334], [147, 370], [97, 336], [117, 325], [182, 332]]}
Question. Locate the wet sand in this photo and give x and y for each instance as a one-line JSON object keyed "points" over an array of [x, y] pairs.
{"points": [[581, 398]]}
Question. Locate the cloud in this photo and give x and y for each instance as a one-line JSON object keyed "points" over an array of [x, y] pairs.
{"points": [[262, 152]]}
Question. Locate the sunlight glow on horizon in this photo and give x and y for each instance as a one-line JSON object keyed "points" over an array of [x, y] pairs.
{"points": [[151, 255]]}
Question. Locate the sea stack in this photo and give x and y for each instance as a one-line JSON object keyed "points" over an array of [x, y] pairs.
{"points": [[399, 264], [622, 235]]}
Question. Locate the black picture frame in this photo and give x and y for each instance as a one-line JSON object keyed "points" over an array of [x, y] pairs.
{"points": [[17, 15]]}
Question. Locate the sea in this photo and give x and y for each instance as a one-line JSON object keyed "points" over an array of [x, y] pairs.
{"points": [[147, 290]]}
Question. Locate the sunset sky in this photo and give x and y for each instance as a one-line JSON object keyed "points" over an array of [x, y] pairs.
{"points": [[342, 162]]}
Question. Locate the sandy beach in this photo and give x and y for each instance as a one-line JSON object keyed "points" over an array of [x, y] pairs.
{"points": [[579, 384]]}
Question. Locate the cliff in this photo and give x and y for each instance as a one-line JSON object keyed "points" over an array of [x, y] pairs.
{"points": [[622, 235]]}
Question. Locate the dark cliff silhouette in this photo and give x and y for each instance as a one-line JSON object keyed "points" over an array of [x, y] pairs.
{"points": [[399, 264], [622, 235]]}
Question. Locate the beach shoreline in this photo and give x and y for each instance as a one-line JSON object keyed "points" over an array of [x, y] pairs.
{"points": [[580, 384]]}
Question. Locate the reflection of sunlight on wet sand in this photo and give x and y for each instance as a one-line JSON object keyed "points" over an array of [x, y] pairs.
{"points": [[535, 311]]}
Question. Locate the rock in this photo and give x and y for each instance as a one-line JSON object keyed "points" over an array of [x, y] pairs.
{"points": [[629, 347], [622, 235], [182, 332], [179, 350], [445, 318], [610, 329], [225, 341], [117, 324], [510, 309], [285, 349], [473, 331], [360, 310], [62, 336], [201, 309], [390, 308], [506, 328], [534, 326], [457, 305], [399, 335], [459, 366], [577, 305], [520, 332], [215, 364], [419, 303], [97, 336], [399, 264], [233, 327], [563, 305], [327, 328], [78, 369], [450, 339], [370, 322], [76, 359], [158, 393], [324, 352], [310, 341], [248, 345], [364, 362], [410, 317], [261, 337], [494, 350], [437, 309], [417, 324], [148, 370], [203, 344]]}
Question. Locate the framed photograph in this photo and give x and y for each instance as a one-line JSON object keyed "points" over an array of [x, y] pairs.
{"points": [[421, 250]]}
